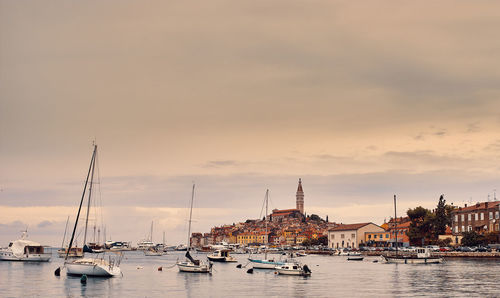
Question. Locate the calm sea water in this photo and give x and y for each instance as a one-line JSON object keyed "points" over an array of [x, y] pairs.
{"points": [[333, 276]]}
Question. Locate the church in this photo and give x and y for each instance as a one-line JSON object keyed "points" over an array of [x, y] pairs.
{"points": [[298, 212]]}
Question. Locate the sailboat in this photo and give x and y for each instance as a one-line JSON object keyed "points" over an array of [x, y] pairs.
{"points": [[97, 266], [75, 252], [423, 255], [265, 263], [190, 264]]}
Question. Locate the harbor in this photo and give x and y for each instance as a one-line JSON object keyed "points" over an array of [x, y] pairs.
{"points": [[331, 276]]}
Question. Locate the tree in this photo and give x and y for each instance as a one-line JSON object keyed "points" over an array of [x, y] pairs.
{"points": [[441, 218], [327, 218], [472, 238], [315, 217], [421, 225]]}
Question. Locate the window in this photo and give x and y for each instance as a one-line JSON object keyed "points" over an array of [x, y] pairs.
{"points": [[482, 216], [496, 215], [491, 215], [380, 236], [387, 235], [333, 236], [353, 236], [463, 217], [469, 228], [342, 236], [463, 228], [469, 217], [476, 216], [456, 229], [456, 217]]}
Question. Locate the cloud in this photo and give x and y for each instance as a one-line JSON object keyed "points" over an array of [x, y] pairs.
{"points": [[220, 163]]}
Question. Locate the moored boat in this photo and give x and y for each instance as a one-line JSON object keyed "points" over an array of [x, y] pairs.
{"points": [[93, 267], [24, 250], [293, 268], [221, 255], [74, 252], [423, 256]]}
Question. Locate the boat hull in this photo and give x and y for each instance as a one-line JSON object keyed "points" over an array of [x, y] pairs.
{"points": [[292, 272], [431, 260], [189, 267], [91, 268], [265, 264], [9, 256]]}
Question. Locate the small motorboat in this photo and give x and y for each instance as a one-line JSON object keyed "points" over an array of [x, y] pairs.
{"points": [[355, 257], [293, 268], [221, 255]]}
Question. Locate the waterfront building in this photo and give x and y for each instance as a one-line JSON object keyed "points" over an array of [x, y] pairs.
{"points": [[350, 235], [252, 238], [482, 218], [379, 239], [400, 232]]}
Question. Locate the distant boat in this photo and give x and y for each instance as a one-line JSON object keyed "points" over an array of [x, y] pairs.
{"points": [[423, 256], [221, 255], [355, 256], [293, 267], [24, 250], [191, 264], [265, 263], [97, 266], [75, 252]]}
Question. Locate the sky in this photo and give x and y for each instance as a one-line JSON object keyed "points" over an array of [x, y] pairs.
{"points": [[362, 100]]}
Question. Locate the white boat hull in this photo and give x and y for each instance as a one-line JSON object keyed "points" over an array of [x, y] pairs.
{"points": [[190, 267], [264, 264], [9, 256], [92, 268]]}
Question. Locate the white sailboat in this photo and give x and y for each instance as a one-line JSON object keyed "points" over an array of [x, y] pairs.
{"points": [[190, 264], [265, 263], [95, 266], [24, 250]]}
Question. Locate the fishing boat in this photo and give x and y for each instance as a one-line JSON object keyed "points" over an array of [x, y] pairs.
{"points": [[24, 250], [97, 265], [221, 255], [190, 264], [265, 263], [423, 255], [293, 268]]}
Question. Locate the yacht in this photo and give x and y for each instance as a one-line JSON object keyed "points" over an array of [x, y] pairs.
{"points": [[24, 250]]}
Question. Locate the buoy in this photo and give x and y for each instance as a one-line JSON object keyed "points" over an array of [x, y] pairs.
{"points": [[58, 271], [83, 279], [275, 272], [250, 270], [375, 261], [160, 268], [140, 267], [238, 266]]}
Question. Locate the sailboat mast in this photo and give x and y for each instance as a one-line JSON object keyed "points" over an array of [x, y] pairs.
{"points": [[151, 237], [395, 225], [265, 221], [65, 229], [88, 205], [190, 214], [81, 201]]}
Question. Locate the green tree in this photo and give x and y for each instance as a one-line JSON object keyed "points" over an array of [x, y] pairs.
{"points": [[420, 229], [472, 238], [441, 218], [315, 217]]}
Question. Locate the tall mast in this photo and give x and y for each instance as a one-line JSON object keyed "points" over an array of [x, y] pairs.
{"points": [[395, 225], [265, 221], [151, 236], [64, 237], [81, 201], [90, 195], [190, 214]]}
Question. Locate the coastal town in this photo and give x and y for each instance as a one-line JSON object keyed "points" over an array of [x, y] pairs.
{"points": [[293, 227]]}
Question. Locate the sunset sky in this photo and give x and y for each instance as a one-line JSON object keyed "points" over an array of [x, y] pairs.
{"points": [[360, 99]]}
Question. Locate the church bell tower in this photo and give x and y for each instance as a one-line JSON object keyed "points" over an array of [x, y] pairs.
{"points": [[300, 197]]}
